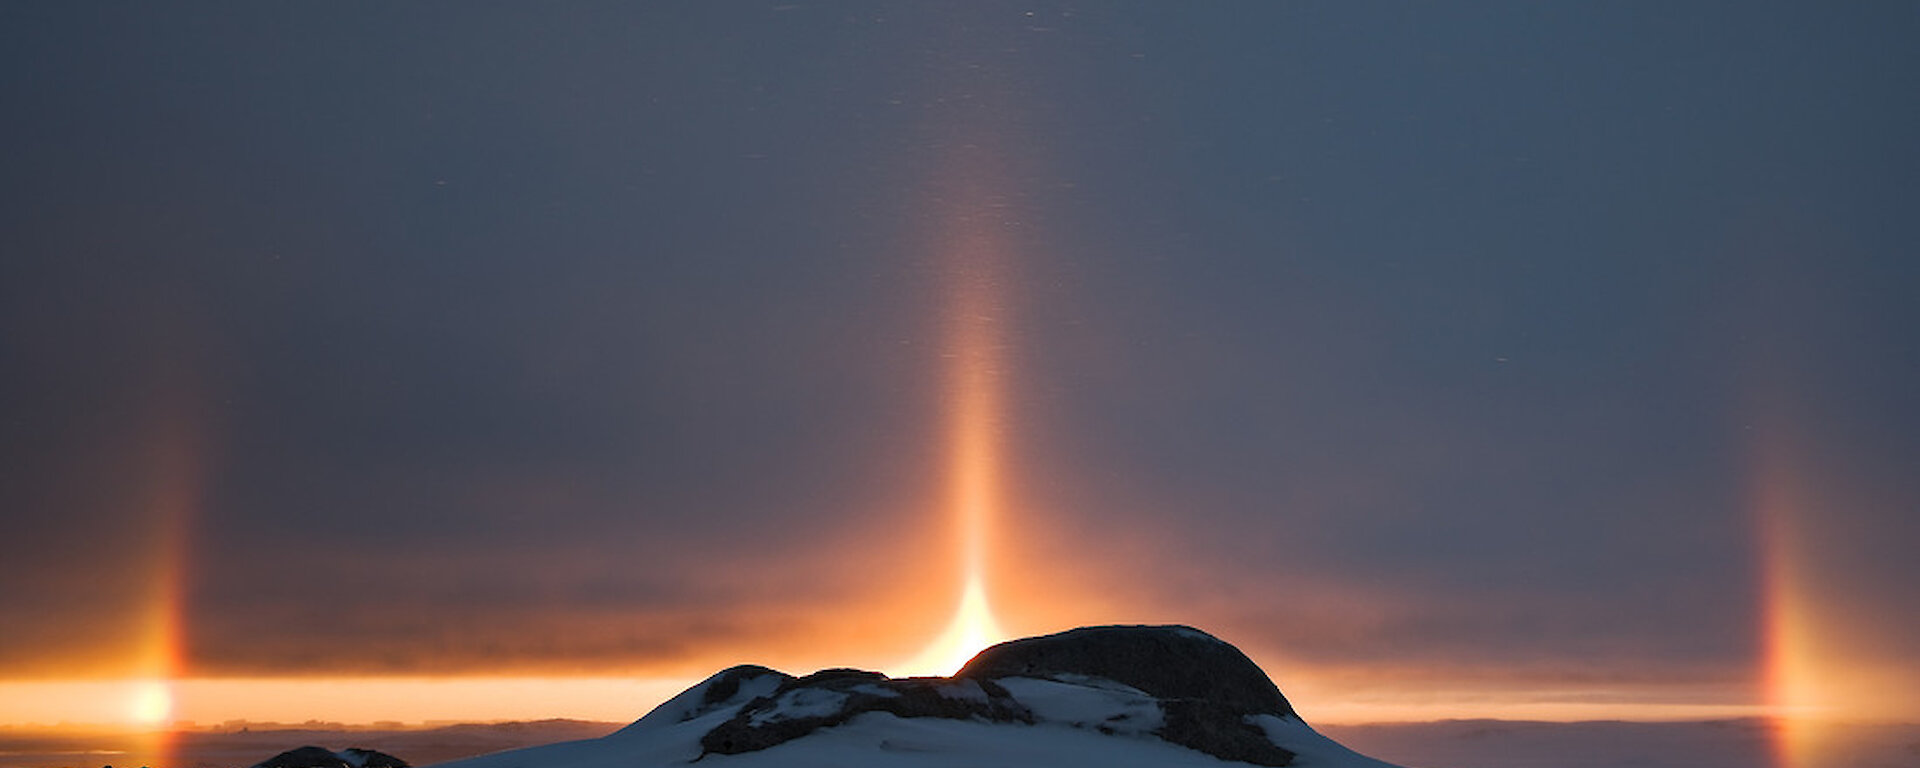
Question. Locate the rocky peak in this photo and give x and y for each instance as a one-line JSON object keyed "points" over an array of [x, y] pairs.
{"points": [[1207, 689], [830, 697], [1175, 683], [1170, 662]]}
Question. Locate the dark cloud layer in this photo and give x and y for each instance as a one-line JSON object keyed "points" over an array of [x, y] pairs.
{"points": [[1424, 335]]}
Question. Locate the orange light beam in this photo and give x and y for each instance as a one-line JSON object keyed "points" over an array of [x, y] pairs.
{"points": [[1791, 670], [974, 405], [170, 496]]}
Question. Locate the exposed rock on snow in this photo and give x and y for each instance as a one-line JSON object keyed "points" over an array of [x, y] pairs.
{"points": [[831, 697], [1169, 662], [728, 689], [321, 757], [1122, 697], [1207, 689], [368, 758]]}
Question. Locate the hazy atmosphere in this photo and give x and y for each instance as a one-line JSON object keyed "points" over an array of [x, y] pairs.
{"points": [[1499, 359]]}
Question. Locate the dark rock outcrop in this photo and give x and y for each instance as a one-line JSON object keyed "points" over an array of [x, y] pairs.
{"points": [[833, 696], [304, 757], [321, 757], [726, 689], [722, 689], [1170, 662], [1207, 692], [1207, 688], [369, 758]]}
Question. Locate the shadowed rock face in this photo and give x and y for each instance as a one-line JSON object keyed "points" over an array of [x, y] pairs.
{"points": [[369, 758], [1169, 662], [304, 757], [321, 757], [1205, 690], [723, 687], [1206, 687]]}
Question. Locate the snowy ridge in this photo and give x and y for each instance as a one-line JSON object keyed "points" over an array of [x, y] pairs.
{"points": [[1055, 715]]}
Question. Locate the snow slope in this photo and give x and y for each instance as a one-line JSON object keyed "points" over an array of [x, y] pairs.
{"points": [[1088, 721]]}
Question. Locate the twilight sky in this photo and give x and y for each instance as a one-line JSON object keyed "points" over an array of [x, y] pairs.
{"points": [[1557, 348]]}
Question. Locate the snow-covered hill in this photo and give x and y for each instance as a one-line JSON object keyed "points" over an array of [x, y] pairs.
{"points": [[1109, 696]]}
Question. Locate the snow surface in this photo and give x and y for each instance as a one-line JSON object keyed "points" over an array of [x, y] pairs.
{"points": [[1119, 709], [1309, 747], [691, 703], [1070, 717]]}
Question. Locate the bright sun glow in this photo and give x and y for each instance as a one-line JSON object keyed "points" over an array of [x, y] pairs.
{"points": [[151, 703], [971, 630]]}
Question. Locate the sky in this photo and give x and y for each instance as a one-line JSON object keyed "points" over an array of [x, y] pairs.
{"points": [[1495, 359]]}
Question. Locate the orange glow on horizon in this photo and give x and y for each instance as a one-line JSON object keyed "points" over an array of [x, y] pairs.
{"points": [[200, 702], [416, 701]]}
